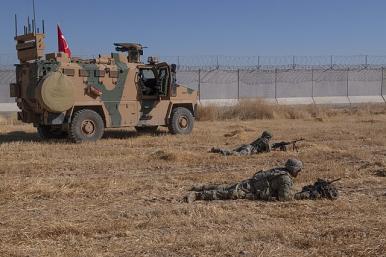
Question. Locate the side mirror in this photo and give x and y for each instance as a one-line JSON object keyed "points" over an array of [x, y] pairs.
{"points": [[173, 68]]}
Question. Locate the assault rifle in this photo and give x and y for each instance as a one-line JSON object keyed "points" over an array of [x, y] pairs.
{"points": [[282, 146], [321, 183], [321, 189]]}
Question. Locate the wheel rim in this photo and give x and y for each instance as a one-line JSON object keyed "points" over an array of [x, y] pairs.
{"points": [[88, 127], [183, 122]]}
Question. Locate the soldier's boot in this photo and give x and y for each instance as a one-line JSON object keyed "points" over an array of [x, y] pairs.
{"points": [[221, 151], [190, 197], [215, 150]]}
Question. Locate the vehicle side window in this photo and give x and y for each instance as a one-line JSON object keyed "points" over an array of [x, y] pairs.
{"points": [[148, 82]]}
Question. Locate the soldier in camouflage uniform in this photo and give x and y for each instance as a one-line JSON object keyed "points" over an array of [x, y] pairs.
{"points": [[270, 185], [260, 145]]}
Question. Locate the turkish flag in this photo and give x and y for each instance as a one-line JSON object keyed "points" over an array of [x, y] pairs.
{"points": [[62, 43]]}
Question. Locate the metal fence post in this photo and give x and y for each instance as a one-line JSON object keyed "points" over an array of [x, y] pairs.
{"points": [[199, 84], [348, 89], [276, 85], [331, 62], [382, 81], [293, 62], [312, 85], [238, 84]]}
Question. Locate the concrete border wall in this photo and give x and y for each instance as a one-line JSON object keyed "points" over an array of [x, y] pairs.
{"points": [[6, 77], [219, 84], [257, 83], [291, 86]]}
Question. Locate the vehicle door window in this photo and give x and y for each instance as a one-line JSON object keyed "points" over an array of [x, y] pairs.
{"points": [[148, 82]]}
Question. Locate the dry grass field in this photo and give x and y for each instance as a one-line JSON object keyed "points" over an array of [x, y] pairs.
{"points": [[121, 196]]}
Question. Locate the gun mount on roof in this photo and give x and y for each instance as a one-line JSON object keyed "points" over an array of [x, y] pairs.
{"points": [[134, 51]]}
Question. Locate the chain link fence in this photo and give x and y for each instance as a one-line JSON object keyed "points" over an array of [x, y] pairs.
{"points": [[316, 79], [279, 83]]}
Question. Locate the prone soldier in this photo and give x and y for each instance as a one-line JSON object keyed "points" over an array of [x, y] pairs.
{"points": [[270, 185], [260, 145]]}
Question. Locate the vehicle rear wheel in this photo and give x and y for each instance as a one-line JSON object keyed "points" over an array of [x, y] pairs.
{"points": [[181, 121], [86, 125], [50, 132], [147, 129]]}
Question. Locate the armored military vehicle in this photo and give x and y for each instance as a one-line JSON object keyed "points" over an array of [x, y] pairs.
{"points": [[78, 98]]}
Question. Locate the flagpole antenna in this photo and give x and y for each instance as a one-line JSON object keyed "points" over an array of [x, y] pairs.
{"points": [[43, 26]]}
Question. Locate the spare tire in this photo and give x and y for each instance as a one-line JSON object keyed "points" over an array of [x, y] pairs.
{"points": [[57, 92]]}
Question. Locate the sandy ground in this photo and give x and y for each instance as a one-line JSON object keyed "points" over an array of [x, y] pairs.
{"points": [[122, 195]]}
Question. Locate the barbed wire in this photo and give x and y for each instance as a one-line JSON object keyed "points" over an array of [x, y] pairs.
{"points": [[208, 62], [187, 63]]}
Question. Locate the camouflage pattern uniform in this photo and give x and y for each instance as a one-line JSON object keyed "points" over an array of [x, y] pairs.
{"points": [[260, 145], [274, 184]]}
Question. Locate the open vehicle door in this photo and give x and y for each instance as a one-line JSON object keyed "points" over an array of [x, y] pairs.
{"points": [[163, 78]]}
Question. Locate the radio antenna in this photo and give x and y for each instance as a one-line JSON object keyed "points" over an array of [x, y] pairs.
{"points": [[15, 25], [34, 21]]}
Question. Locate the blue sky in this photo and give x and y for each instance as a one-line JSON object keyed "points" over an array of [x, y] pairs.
{"points": [[208, 27]]}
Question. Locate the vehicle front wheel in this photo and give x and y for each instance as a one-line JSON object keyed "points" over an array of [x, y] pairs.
{"points": [[86, 125], [181, 121]]}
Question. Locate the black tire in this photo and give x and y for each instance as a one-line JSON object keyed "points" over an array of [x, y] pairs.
{"points": [[50, 132], [181, 121], [148, 129], [86, 126]]}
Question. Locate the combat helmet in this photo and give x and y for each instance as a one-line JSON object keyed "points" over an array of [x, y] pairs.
{"points": [[293, 165], [266, 134]]}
